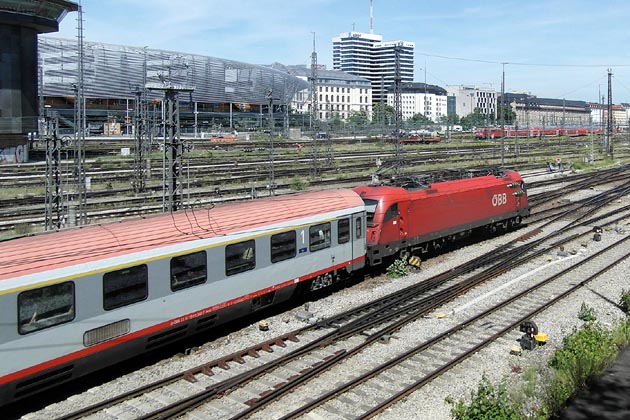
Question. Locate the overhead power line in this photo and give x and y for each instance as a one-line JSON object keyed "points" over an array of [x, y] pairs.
{"points": [[516, 63]]}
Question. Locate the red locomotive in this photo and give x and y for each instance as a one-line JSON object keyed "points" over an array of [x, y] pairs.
{"points": [[418, 216]]}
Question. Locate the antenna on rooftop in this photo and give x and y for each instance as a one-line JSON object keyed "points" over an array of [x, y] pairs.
{"points": [[371, 16]]}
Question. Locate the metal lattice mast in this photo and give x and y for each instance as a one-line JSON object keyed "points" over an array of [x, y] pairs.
{"points": [[397, 113], [140, 135], [173, 146], [269, 96], [53, 200], [313, 80], [314, 170], [80, 197], [609, 120], [141, 132]]}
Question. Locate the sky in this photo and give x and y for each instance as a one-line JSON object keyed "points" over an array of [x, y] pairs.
{"points": [[551, 48]]}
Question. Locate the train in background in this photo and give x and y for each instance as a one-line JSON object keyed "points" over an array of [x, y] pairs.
{"points": [[79, 300], [495, 133]]}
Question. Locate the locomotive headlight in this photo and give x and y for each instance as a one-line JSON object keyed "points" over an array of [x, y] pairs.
{"points": [[513, 184], [518, 193]]}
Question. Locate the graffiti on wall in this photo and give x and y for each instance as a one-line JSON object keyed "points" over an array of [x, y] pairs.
{"points": [[14, 154]]}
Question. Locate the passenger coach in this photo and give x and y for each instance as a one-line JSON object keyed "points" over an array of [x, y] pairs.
{"points": [[75, 301]]}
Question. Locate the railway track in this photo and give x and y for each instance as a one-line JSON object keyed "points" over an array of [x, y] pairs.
{"points": [[255, 379], [117, 204]]}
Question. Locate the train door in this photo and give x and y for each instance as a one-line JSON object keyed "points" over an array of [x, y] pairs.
{"points": [[358, 234], [394, 225]]}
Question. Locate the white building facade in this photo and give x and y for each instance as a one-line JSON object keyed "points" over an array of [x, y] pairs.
{"points": [[368, 56], [468, 98], [420, 98], [338, 93]]}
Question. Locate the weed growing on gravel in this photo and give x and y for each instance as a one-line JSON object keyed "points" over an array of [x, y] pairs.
{"points": [[624, 301], [587, 352], [399, 268], [487, 403], [297, 184], [587, 314]]}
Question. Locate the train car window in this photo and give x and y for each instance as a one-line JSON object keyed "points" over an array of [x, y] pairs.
{"points": [[370, 209], [359, 229], [240, 257], [283, 246], [124, 287], [188, 270], [45, 306], [343, 231], [319, 237], [391, 212]]}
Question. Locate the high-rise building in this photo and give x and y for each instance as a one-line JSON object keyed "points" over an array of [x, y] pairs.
{"points": [[368, 56]]}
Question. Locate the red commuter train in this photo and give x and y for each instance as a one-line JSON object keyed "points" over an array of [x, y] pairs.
{"points": [[495, 133]]}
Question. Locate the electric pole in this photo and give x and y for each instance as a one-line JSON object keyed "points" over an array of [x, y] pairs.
{"points": [[398, 112], [503, 115], [609, 123], [173, 147]]}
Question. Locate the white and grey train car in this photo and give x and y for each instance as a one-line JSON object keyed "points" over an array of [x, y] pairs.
{"points": [[75, 301]]}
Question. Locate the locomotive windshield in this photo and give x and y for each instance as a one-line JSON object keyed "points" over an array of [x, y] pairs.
{"points": [[370, 209]]}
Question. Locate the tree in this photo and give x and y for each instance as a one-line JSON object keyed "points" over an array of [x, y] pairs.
{"points": [[420, 119], [382, 112], [509, 116], [453, 119], [336, 121], [358, 118], [476, 119]]}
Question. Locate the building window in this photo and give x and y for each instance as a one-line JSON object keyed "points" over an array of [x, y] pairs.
{"points": [[45, 307]]}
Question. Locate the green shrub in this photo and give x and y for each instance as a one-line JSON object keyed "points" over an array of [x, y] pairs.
{"points": [[487, 403], [398, 268], [585, 355], [297, 184], [624, 301], [587, 313]]}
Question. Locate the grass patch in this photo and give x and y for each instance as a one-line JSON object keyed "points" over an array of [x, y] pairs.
{"points": [[298, 184], [487, 403]]}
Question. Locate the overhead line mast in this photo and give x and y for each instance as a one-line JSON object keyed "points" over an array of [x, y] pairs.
{"points": [[314, 170]]}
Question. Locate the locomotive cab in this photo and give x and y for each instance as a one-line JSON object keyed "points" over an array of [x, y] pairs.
{"points": [[386, 223]]}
